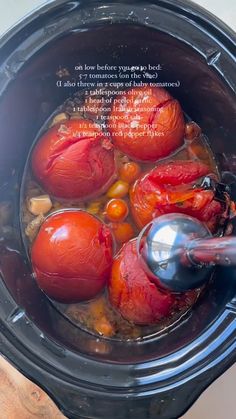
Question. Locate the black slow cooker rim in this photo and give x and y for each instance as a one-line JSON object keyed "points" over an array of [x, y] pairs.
{"points": [[187, 8], [46, 375]]}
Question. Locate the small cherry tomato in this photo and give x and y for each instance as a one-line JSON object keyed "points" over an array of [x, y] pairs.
{"points": [[118, 190], [123, 232], [129, 172], [72, 256], [73, 160], [116, 210]]}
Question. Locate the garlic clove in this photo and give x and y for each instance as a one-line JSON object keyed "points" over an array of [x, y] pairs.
{"points": [[59, 118], [39, 204]]}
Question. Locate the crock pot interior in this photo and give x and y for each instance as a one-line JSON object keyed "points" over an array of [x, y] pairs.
{"points": [[29, 100]]}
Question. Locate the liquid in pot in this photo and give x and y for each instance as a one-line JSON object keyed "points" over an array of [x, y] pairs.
{"points": [[139, 183]]}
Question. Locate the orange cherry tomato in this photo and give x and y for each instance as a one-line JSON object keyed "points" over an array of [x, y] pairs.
{"points": [[116, 210], [123, 232], [72, 256], [129, 172]]}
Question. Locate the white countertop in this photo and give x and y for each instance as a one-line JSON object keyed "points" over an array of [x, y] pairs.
{"points": [[218, 401]]}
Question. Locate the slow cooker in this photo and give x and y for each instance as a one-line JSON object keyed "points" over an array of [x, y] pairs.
{"points": [[88, 376]]}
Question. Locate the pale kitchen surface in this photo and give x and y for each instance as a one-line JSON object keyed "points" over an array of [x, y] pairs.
{"points": [[217, 402]]}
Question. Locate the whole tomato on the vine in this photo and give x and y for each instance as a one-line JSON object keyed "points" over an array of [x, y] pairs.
{"points": [[146, 123], [174, 187], [72, 256], [73, 160], [134, 294]]}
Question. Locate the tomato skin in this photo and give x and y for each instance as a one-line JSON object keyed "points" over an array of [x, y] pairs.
{"points": [[146, 123], [178, 172], [134, 294], [168, 188], [73, 160], [72, 256]]}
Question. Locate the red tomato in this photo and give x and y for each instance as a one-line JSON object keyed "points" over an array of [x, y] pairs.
{"points": [[135, 296], [146, 123], [73, 160], [72, 256], [170, 187]]}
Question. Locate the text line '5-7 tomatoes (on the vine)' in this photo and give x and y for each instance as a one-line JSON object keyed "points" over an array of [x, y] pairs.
{"points": [[134, 294], [174, 187], [73, 160], [72, 256], [146, 123]]}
